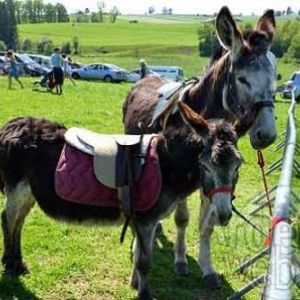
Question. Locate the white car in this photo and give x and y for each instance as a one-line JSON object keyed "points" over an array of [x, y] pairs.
{"points": [[134, 75], [172, 73]]}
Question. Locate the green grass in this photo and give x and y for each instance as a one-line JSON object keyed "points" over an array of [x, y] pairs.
{"points": [[73, 262], [114, 36]]}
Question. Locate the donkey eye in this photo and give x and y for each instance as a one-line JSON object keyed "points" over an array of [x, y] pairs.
{"points": [[206, 168], [243, 80]]}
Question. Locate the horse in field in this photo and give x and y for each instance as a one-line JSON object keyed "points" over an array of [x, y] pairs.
{"points": [[34, 157], [238, 86]]}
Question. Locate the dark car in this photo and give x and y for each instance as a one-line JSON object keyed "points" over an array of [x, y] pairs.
{"points": [[30, 66], [4, 65]]}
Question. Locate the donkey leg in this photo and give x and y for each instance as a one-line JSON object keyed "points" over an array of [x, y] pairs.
{"points": [[19, 201], [142, 255], [181, 218], [206, 224]]}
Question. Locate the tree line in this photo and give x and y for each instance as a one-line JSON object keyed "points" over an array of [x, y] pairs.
{"points": [[14, 12], [35, 11], [286, 44]]}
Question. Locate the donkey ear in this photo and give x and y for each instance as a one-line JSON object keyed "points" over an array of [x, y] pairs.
{"points": [[192, 119], [267, 23], [227, 32]]}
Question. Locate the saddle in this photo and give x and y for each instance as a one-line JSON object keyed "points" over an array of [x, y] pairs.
{"points": [[168, 97], [121, 156]]}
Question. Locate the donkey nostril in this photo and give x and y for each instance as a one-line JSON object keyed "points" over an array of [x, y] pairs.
{"points": [[224, 219], [259, 135]]}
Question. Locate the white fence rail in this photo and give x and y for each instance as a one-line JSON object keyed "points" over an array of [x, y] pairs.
{"points": [[284, 265], [280, 277]]}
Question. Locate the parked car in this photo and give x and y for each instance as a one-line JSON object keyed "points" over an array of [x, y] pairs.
{"points": [[101, 71], [4, 65], [134, 75], [30, 67], [174, 73], [42, 60], [170, 72], [26, 65], [292, 84]]}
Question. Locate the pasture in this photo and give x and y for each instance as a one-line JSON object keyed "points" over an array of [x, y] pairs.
{"points": [[73, 262], [86, 262]]}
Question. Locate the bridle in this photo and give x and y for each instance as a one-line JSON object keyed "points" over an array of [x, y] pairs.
{"points": [[212, 192], [234, 107]]}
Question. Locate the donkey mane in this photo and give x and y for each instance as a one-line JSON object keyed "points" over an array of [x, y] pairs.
{"points": [[224, 142]]}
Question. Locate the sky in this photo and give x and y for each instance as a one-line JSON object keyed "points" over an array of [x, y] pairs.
{"points": [[182, 6]]}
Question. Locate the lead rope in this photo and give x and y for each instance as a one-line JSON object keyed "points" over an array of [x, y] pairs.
{"points": [[275, 221], [261, 163]]}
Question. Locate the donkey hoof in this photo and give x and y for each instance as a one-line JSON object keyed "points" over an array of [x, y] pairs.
{"points": [[134, 283], [145, 295], [181, 268], [15, 269], [213, 281]]}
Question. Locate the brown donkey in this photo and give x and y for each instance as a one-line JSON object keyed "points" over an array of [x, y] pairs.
{"points": [[237, 86]]}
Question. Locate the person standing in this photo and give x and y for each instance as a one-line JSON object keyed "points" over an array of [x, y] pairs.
{"points": [[145, 71], [13, 71], [57, 64], [67, 67]]}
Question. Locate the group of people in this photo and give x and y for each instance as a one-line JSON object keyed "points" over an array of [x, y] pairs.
{"points": [[61, 68]]}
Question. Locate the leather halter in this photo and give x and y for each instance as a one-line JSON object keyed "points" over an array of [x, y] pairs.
{"points": [[237, 109], [214, 191]]}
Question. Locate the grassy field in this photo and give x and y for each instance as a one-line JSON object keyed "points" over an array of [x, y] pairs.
{"points": [[73, 262]]}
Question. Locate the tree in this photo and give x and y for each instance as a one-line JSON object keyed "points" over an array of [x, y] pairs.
{"points": [[18, 9], [113, 14], [27, 45], [101, 7], [2, 46], [66, 47], [49, 13], [61, 13], [294, 49], [8, 24], [35, 11], [76, 45], [207, 39], [151, 10], [95, 18], [81, 17], [48, 48], [289, 10]]}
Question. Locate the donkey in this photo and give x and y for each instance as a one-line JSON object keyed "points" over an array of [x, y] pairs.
{"points": [[195, 153], [238, 86]]}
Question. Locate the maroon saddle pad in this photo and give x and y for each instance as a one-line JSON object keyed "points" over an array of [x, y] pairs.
{"points": [[75, 180]]}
